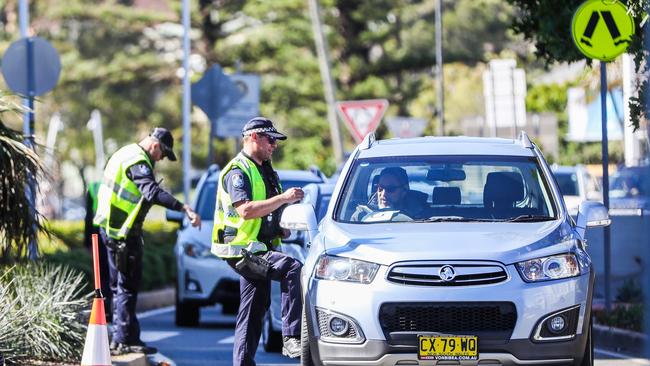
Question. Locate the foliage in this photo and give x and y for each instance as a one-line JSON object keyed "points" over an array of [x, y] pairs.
{"points": [[19, 221], [628, 316], [630, 291], [40, 313], [547, 23], [158, 262]]}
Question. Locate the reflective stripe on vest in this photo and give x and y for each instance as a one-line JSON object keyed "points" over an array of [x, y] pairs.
{"points": [[119, 200], [225, 213]]}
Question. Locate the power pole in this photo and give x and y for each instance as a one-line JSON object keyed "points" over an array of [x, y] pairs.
{"points": [[328, 84], [439, 73]]}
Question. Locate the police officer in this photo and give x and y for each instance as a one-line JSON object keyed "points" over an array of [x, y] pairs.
{"points": [[249, 203], [127, 192]]}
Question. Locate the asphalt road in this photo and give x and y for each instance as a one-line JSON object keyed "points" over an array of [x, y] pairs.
{"points": [[210, 344]]}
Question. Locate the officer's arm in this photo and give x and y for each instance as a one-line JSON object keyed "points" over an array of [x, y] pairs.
{"points": [[254, 209], [143, 178]]}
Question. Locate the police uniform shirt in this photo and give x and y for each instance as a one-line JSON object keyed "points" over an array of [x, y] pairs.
{"points": [[142, 176], [238, 186]]}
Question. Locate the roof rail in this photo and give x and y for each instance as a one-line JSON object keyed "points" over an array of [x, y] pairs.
{"points": [[368, 141], [524, 140]]}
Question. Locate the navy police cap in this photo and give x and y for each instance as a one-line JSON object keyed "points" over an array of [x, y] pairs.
{"points": [[262, 125]]}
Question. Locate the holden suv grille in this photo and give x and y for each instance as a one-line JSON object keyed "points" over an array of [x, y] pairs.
{"points": [[464, 274]]}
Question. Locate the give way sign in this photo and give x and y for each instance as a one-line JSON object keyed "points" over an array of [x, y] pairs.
{"points": [[361, 116]]}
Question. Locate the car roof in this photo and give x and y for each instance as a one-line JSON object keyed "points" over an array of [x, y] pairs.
{"points": [[323, 188], [284, 174], [298, 175], [458, 145]]}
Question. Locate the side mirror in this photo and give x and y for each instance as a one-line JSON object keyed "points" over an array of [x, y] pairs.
{"points": [[300, 217], [591, 214], [174, 216]]}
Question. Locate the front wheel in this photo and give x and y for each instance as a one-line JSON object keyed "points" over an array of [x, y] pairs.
{"points": [[588, 357], [187, 315], [305, 355]]}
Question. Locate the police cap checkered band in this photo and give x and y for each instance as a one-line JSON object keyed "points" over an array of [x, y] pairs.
{"points": [[262, 125]]}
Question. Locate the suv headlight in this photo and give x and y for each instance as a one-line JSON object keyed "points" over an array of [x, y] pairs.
{"points": [[196, 250], [345, 269], [554, 267]]}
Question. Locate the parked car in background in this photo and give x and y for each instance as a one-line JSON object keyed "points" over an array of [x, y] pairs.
{"points": [[479, 263], [576, 185], [318, 196], [629, 188], [203, 279]]}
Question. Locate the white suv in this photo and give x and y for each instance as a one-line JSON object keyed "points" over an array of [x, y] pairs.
{"points": [[480, 262]]}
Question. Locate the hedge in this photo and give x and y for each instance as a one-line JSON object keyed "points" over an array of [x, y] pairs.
{"points": [[159, 265]]}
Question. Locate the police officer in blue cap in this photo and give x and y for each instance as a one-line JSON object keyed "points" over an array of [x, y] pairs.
{"points": [[127, 192], [247, 233]]}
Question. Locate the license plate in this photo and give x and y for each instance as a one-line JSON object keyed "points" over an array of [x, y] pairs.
{"points": [[447, 347]]}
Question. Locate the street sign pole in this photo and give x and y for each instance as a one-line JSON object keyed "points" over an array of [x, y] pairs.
{"points": [[328, 83], [603, 30], [28, 118], [607, 231], [186, 101]]}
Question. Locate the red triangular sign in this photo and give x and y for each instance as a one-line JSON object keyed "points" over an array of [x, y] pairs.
{"points": [[362, 116]]}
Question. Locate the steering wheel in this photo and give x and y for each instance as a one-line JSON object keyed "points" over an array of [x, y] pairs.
{"points": [[386, 215]]}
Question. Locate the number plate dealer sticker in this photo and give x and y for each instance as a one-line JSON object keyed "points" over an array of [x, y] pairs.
{"points": [[447, 347]]}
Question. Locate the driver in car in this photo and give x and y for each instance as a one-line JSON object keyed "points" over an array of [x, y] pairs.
{"points": [[393, 194]]}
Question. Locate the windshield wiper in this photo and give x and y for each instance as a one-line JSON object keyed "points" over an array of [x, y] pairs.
{"points": [[529, 218], [452, 219]]}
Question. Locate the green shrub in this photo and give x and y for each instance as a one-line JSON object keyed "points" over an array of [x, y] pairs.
{"points": [[71, 233], [623, 316], [158, 262], [41, 304]]}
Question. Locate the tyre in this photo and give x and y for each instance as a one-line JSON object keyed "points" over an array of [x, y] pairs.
{"points": [[271, 339], [588, 357], [305, 356], [187, 315]]}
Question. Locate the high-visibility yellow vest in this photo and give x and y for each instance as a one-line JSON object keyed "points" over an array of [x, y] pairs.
{"points": [[119, 200], [225, 213]]}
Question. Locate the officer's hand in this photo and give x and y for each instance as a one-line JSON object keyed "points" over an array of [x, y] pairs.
{"points": [[195, 219], [292, 195]]}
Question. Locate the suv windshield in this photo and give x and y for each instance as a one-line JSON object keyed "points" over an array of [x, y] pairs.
{"points": [[445, 188]]}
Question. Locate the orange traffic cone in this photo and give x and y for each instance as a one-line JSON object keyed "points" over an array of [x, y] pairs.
{"points": [[96, 349]]}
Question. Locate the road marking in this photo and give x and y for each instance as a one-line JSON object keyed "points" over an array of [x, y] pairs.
{"points": [[227, 340], [628, 358], [154, 336], [150, 313]]}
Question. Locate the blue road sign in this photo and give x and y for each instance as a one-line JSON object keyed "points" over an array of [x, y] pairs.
{"points": [[215, 93], [45, 62], [230, 124]]}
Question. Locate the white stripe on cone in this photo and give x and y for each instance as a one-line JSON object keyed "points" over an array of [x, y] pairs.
{"points": [[96, 350]]}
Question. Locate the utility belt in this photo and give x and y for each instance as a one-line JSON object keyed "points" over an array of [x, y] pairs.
{"points": [[253, 266], [124, 255]]}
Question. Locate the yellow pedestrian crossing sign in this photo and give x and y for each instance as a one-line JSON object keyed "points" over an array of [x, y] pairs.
{"points": [[602, 29]]}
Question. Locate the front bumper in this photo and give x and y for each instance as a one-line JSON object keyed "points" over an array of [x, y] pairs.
{"points": [[533, 302]]}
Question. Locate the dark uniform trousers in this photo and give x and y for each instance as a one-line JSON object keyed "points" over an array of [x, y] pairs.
{"points": [[255, 298], [125, 284]]}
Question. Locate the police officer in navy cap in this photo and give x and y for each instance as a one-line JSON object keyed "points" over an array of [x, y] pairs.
{"points": [[127, 192], [248, 206]]}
